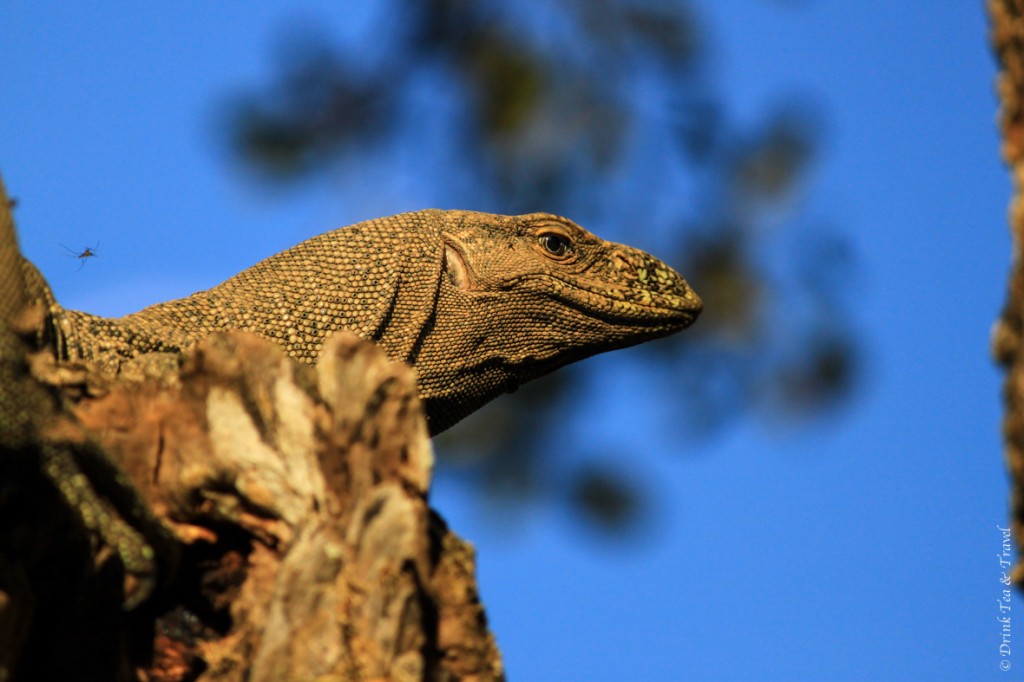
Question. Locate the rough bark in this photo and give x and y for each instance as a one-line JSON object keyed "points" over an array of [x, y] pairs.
{"points": [[300, 547], [1007, 35]]}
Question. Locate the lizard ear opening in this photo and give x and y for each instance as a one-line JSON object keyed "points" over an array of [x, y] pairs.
{"points": [[455, 268]]}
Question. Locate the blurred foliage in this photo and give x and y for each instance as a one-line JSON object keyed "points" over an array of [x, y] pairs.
{"points": [[605, 111]]}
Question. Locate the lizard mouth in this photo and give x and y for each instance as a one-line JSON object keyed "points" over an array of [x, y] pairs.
{"points": [[629, 307]]}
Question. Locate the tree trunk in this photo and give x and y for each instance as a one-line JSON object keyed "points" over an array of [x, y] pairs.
{"points": [[1007, 35]]}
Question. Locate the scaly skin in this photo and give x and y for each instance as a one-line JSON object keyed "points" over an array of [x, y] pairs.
{"points": [[477, 303]]}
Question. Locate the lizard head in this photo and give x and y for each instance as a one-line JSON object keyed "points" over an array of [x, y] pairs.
{"points": [[554, 269], [517, 297], [521, 296]]}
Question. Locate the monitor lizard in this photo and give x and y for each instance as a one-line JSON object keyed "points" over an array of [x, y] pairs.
{"points": [[477, 303]]}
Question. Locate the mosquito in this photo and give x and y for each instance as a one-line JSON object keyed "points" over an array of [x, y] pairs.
{"points": [[86, 253]]}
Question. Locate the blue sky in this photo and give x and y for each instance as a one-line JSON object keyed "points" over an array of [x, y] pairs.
{"points": [[861, 547]]}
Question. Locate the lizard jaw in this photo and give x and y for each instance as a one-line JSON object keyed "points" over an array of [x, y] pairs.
{"points": [[658, 312]]}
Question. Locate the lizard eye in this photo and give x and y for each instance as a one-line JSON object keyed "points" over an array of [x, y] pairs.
{"points": [[555, 244]]}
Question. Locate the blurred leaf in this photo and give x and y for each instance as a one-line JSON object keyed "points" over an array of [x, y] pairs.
{"points": [[697, 127], [605, 498], [273, 145], [815, 380], [827, 264], [666, 29], [511, 86], [771, 164], [729, 284], [315, 111], [443, 26]]}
